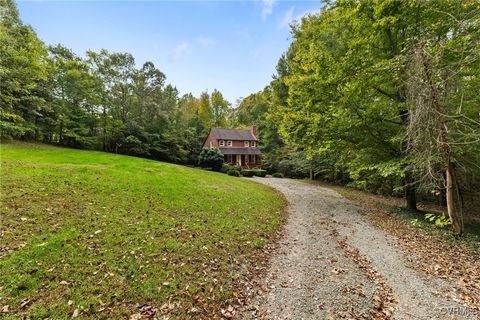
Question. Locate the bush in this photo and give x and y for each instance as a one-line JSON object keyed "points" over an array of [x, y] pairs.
{"points": [[294, 168], [260, 172], [227, 166], [248, 173], [439, 220], [277, 175], [233, 173], [211, 158]]}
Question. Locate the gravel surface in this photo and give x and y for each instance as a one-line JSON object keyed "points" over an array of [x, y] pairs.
{"points": [[311, 276]]}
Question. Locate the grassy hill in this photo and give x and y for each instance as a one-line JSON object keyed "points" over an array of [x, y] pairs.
{"points": [[100, 235]]}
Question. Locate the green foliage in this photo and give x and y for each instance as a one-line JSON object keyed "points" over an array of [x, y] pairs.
{"points": [[220, 108], [415, 222], [103, 101], [340, 105], [248, 173], [260, 172], [13, 125], [211, 158], [439, 220], [233, 172], [227, 166], [277, 175]]}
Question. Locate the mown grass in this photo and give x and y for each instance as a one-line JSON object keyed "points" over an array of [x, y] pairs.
{"points": [[101, 235]]}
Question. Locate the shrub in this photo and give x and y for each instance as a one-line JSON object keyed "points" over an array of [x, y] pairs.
{"points": [[233, 173], [277, 175], [293, 168], [439, 220], [260, 172], [211, 158], [227, 166], [248, 173]]}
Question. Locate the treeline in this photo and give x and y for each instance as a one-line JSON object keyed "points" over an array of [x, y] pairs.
{"points": [[381, 95], [101, 101]]}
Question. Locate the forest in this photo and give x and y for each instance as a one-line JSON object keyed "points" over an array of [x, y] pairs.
{"points": [[377, 95], [101, 101]]}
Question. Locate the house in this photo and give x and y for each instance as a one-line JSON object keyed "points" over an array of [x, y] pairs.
{"points": [[239, 146]]}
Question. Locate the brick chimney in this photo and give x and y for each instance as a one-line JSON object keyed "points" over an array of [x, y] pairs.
{"points": [[253, 130]]}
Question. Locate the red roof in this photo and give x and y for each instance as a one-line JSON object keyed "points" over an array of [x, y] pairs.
{"points": [[233, 134]]}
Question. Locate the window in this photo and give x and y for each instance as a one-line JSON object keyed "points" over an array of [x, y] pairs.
{"points": [[252, 144], [252, 158], [246, 158], [229, 158], [211, 144], [221, 143], [229, 143], [246, 144]]}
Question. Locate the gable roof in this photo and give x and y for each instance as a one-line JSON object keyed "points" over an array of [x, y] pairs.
{"points": [[233, 134]]}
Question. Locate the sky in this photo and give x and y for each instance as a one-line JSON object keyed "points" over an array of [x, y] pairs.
{"points": [[232, 46]]}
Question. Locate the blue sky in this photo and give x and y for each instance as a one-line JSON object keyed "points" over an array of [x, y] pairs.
{"points": [[229, 45]]}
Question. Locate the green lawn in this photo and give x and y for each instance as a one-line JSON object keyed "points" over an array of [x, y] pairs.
{"points": [[101, 235]]}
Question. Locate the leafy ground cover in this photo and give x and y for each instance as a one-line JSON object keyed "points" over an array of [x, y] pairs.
{"points": [[96, 235]]}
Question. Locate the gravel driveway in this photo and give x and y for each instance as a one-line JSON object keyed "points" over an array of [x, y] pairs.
{"points": [[319, 269]]}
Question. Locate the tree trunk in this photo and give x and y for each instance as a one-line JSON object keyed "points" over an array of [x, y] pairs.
{"points": [[451, 208], [410, 195], [450, 183], [409, 181], [104, 138]]}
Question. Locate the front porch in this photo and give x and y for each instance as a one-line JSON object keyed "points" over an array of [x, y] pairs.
{"points": [[245, 161]]}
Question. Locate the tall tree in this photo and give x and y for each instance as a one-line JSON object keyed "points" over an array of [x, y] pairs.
{"points": [[73, 98], [22, 70], [220, 108], [444, 131], [205, 109]]}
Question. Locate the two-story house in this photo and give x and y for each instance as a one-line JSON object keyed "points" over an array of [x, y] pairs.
{"points": [[239, 146]]}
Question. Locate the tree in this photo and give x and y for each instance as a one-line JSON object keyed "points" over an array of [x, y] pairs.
{"points": [[22, 71], [345, 96], [102, 101], [220, 108], [444, 130], [73, 99], [205, 111], [211, 158]]}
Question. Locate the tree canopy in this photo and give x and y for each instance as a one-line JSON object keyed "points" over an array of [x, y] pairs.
{"points": [[103, 101], [382, 95]]}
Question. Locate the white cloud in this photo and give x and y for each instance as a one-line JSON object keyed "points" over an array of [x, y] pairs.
{"points": [[289, 17], [205, 41], [267, 8], [180, 50]]}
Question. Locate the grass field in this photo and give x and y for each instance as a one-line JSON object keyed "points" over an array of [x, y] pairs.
{"points": [[97, 235]]}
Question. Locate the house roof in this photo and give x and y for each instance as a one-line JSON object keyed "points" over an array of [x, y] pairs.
{"points": [[233, 134], [239, 150]]}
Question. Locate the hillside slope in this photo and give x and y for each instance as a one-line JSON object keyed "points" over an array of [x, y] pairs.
{"points": [[99, 235]]}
